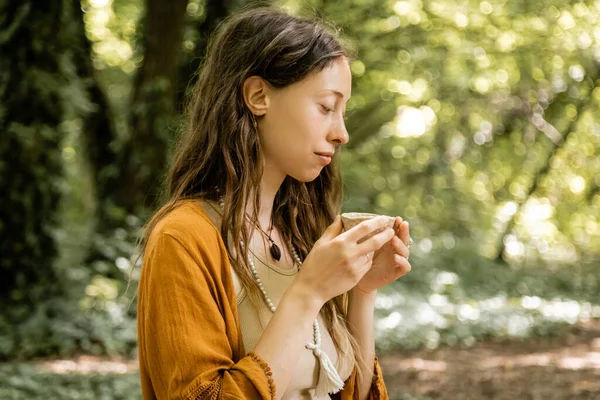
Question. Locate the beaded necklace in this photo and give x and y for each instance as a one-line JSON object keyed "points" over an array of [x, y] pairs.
{"points": [[329, 380]]}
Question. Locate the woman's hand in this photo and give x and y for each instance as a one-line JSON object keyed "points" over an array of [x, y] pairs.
{"points": [[337, 261], [390, 262]]}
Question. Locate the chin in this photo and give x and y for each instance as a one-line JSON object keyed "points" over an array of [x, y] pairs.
{"points": [[306, 176]]}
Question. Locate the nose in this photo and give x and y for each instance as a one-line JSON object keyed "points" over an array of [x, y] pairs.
{"points": [[339, 134]]}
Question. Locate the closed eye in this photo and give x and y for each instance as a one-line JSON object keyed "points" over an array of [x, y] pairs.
{"points": [[327, 109]]}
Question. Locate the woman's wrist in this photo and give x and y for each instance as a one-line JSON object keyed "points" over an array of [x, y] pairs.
{"points": [[361, 305], [303, 297], [356, 293]]}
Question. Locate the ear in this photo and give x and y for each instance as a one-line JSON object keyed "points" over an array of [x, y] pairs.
{"points": [[256, 95]]}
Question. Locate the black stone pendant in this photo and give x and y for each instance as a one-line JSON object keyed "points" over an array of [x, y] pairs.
{"points": [[275, 252]]}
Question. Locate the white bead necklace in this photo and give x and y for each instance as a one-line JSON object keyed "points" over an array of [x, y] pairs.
{"points": [[329, 379]]}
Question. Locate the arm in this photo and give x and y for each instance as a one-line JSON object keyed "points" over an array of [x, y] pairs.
{"points": [[183, 338], [389, 263], [361, 308], [282, 342], [360, 317]]}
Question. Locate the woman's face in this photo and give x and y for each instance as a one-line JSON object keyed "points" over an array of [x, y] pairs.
{"points": [[304, 122]]}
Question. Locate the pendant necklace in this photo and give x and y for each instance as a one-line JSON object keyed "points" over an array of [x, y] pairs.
{"points": [[273, 248], [329, 379]]}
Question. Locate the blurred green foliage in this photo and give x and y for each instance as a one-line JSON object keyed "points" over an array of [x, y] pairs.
{"points": [[32, 109], [489, 130], [23, 381], [453, 298]]}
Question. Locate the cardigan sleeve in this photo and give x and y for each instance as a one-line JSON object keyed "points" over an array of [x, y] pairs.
{"points": [[184, 348], [350, 391]]}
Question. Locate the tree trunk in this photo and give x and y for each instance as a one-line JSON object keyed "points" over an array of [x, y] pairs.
{"points": [[152, 107], [98, 135], [215, 11]]}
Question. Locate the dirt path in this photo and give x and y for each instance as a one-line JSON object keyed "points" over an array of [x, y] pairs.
{"points": [[565, 367]]}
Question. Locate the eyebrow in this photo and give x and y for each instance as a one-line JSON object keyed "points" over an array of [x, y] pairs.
{"points": [[338, 94]]}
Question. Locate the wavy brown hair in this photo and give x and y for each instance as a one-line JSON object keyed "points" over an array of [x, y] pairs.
{"points": [[219, 155]]}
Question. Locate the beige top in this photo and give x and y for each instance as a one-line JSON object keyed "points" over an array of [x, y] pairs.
{"points": [[276, 281]]}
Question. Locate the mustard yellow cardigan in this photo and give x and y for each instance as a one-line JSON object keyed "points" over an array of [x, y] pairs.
{"points": [[190, 344]]}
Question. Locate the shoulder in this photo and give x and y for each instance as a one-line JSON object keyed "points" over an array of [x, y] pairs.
{"points": [[185, 254], [188, 224]]}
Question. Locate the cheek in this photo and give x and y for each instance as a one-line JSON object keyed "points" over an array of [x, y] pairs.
{"points": [[292, 128], [310, 122], [299, 123], [299, 114]]}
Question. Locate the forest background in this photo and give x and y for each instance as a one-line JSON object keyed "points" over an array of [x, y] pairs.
{"points": [[476, 121]]}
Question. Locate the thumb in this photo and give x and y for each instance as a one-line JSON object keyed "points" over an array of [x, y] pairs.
{"points": [[334, 229]]}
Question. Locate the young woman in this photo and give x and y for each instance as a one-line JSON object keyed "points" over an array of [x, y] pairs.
{"points": [[250, 288]]}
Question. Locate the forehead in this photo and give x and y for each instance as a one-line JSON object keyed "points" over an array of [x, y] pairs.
{"points": [[335, 77]]}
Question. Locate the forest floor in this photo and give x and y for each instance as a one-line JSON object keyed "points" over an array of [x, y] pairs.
{"points": [[562, 367]]}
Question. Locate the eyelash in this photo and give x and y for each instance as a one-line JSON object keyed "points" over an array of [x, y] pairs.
{"points": [[327, 109], [330, 110]]}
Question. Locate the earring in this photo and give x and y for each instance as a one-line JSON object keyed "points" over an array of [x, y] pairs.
{"points": [[254, 121]]}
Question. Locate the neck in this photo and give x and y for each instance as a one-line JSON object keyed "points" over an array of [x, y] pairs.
{"points": [[269, 186]]}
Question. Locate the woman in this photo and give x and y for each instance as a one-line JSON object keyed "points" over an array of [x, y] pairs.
{"points": [[249, 288]]}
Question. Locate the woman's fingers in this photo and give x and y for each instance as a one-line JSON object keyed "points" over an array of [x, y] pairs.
{"points": [[376, 241], [402, 229], [403, 266], [397, 224], [366, 228], [368, 258], [404, 233], [400, 247], [377, 235]]}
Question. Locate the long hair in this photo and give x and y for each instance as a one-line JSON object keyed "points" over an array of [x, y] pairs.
{"points": [[219, 155]]}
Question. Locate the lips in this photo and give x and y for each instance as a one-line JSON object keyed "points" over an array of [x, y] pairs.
{"points": [[324, 157]]}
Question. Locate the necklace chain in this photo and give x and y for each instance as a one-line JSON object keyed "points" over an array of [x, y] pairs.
{"points": [[316, 329], [268, 235], [329, 379], [273, 248]]}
